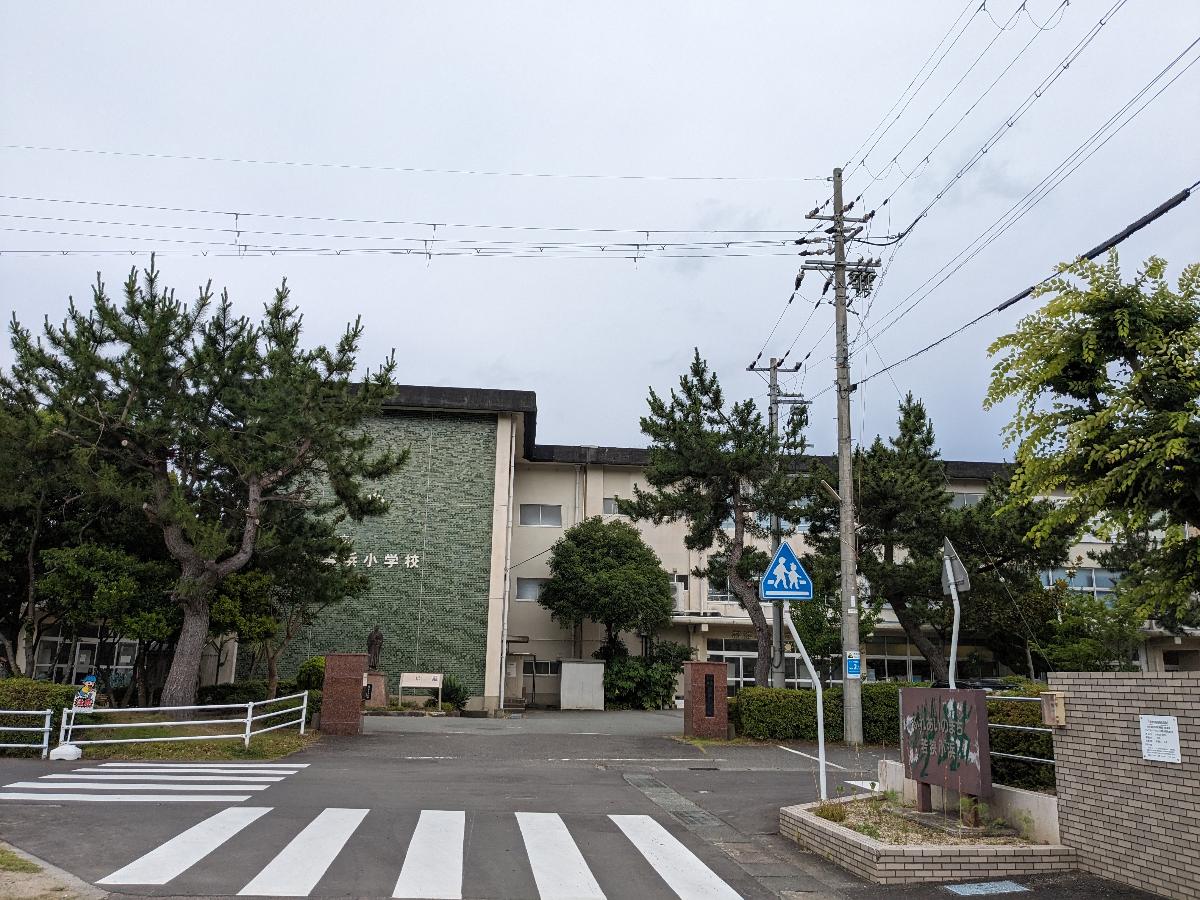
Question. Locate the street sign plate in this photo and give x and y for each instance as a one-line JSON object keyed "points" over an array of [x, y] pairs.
{"points": [[785, 578], [853, 664], [962, 581]]}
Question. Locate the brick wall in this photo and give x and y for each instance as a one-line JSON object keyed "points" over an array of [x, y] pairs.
{"points": [[1129, 819], [918, 863], [434, 615]]}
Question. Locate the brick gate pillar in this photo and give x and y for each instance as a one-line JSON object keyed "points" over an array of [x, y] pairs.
{"points": [[341, 694], [705, 700]]}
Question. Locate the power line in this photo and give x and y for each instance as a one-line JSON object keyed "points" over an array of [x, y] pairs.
{"points": [[604, 229], [239, 231], [407, 170], [908, 87], [1040, 191], [1020, 111], [1062, 8], [1122, 235]]}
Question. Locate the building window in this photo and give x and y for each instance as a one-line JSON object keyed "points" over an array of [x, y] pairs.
{"points": [[541, 514], [1086, 580], [719, 592], [679, 590], [540, 667], [610, 506], [530, 588], [959, 499]]}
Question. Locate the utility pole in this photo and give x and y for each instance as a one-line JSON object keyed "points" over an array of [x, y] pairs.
{"points": [[778, 658], [861, 272]]}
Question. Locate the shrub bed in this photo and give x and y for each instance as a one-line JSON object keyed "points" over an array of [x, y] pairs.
{"points": [[778, 714], [26, 693]]}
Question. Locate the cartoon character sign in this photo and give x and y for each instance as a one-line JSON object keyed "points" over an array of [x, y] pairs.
{"points": [[85, 697]]}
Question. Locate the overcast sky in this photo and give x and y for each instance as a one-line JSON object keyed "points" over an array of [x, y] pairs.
{"points": [[773, 93]]}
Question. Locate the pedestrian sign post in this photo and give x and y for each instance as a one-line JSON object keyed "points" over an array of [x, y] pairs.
{"points": [[785, 578]]}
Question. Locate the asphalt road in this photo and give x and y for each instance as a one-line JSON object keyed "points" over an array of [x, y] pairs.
{"points": [[554, 804]]}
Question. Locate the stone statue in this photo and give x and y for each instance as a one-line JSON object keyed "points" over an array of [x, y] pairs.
{"points": [[374, 648]]}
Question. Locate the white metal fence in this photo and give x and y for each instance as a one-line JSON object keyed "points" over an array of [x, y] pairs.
{"points": [[1027, 728], [43, 729], [247, 723]]}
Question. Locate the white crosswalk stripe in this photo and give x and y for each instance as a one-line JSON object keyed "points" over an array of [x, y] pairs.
{"points": [[689, 878], [300, 865], [432, 866], [183, 851], [171, 783], [558, 867]]}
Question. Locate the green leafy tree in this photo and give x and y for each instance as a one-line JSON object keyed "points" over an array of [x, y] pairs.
{"points": [[1106, 381], [35, 492], [204, 420], [102, 587], [296, 577], [1092, 635], [904, 513], [604, 572], [721, 471]]}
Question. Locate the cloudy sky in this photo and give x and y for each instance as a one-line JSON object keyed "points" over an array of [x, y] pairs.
{"points": [[746, 106]]}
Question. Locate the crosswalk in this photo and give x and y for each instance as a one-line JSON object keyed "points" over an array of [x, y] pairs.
{"points": [[128, 782], [436, 856]]}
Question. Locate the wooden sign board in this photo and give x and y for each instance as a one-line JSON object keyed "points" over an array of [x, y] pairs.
{"points": [[944, 739]]}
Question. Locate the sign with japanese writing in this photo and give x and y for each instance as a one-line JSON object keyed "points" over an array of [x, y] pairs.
{"points": [[944, 739], [1160, 739], [853, 664], [372, 560], [85, 697]]}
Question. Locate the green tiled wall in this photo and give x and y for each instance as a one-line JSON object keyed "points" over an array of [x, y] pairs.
{"points": [[434, 616]]}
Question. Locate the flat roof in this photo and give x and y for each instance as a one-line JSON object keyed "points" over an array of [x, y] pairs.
{"points": [[461, 399]]}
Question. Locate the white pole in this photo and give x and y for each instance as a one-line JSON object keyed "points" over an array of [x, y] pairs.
{"points": [[46, 734], [954, 634], [812, 674], [303, 711], [249, 715]]}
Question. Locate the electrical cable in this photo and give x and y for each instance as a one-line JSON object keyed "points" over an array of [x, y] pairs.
{"points": [[408, 170], [411, 222], [1040, 191], [899, 99], [1122, 235]]}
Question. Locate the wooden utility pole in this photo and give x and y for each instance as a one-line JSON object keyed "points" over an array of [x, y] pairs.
{"points": [[778, 658], [851, 681]]}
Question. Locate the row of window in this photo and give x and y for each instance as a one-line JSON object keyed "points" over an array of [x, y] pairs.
{"points": [[549, 515], [1087, 580], [531, 588]]}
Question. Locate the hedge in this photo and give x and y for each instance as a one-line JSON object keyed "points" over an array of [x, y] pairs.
{"points": [[781, 714], [26, 693]]}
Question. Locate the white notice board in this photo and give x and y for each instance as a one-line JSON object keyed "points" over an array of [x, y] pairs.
{"points": [[1160, 739]]}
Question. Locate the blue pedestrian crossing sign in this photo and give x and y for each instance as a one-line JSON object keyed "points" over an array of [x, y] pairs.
{"points": [[785, 578]]}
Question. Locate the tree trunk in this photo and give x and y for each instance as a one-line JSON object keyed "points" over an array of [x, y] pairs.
{"points": [[938, 666], [192, 592], [272, 674], [762, 629]]}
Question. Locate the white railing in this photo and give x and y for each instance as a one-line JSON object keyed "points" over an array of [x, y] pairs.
{"points": [[246, 722], [43, 729]]}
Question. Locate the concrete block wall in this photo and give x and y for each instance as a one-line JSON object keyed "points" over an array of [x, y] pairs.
{"points": [[1129, 819]]}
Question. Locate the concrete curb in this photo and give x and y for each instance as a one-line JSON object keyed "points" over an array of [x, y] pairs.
{"points": [[80, 887]]}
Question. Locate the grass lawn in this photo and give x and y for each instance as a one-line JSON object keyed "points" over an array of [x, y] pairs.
{"points": [[10, 862], [273, 745]]}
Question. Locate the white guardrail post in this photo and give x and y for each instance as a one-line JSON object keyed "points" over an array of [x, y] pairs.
{"points": [[303, 711], [46, 734], [249, 722]]}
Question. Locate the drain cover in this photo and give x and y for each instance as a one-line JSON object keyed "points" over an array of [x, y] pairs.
{"points": [[983, 888], [699, 818]]}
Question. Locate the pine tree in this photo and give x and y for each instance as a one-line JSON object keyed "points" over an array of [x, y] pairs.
{"points": [[718, 469], [203, 420]]}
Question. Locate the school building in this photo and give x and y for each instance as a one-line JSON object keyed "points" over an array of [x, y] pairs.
{"points": [[457, 562]]}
